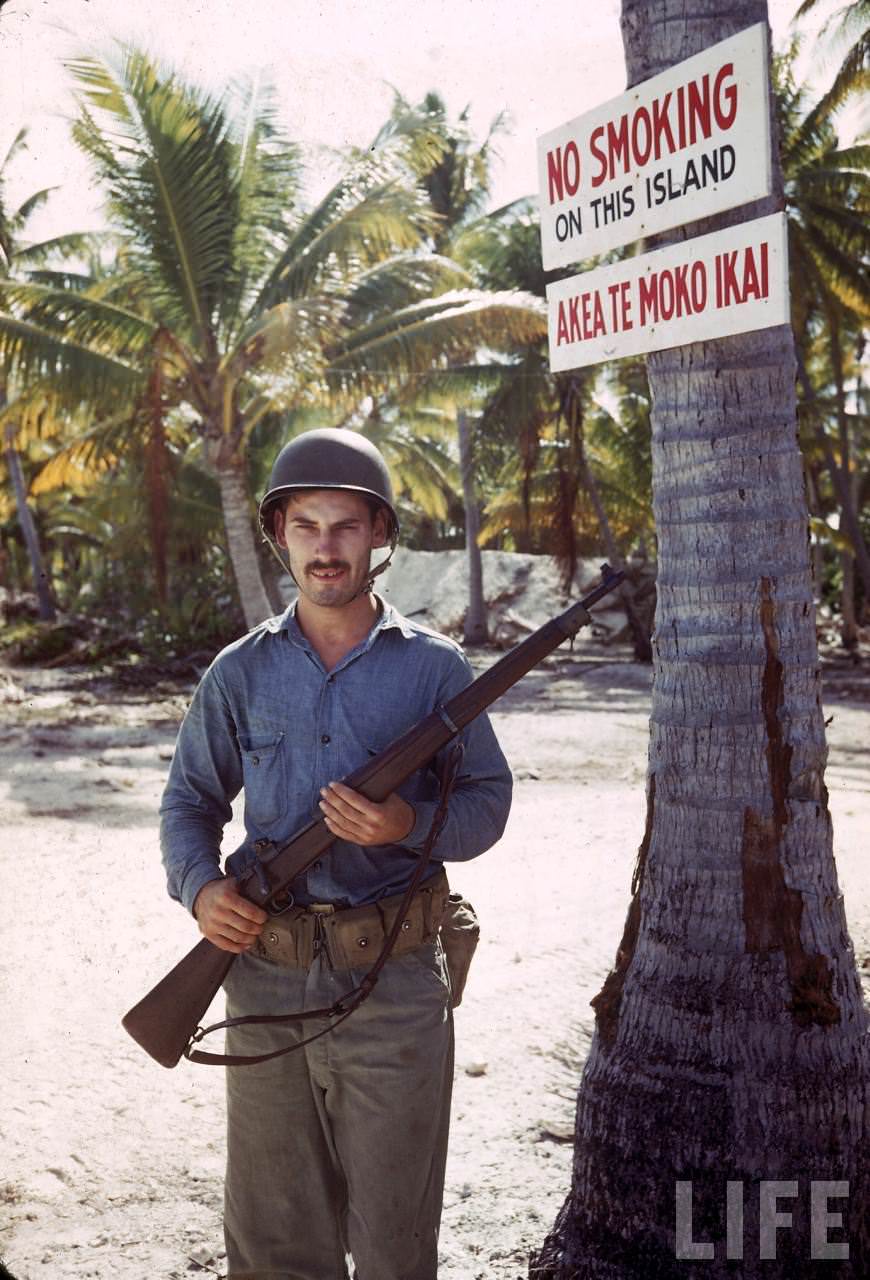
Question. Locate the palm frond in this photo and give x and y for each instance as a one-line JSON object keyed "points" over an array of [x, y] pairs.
{"points": [[368, 215], [400, 281], [79, 244], [290, 333], [444, 328], [18, 144], [73, 371], [89, 454], [31, 205], [171, 180], [81, 319], [268, 165]]}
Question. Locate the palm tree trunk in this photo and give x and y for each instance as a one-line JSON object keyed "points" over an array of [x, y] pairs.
{"points": [[848, 612], [28, 529], [639, 632], [156, 478], [840, 483], [731, 1039], [474, 629], [815, 507], [240, 542]]}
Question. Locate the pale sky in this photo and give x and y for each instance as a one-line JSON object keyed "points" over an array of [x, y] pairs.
{"points": [[333, 63]]}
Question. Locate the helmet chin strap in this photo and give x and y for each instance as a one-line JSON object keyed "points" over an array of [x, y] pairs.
{"points": [[379, 568]]}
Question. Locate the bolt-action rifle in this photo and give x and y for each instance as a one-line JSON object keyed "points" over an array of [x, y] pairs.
{"points": [[164, 1022]]}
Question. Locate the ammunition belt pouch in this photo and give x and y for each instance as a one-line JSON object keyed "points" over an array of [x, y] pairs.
{"points": [[351, 936]]}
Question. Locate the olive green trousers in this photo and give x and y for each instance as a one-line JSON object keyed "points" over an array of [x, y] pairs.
{"points": [[337, 1151]]}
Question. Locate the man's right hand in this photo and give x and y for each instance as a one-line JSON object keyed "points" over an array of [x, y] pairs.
{"points": [[226, 918]]}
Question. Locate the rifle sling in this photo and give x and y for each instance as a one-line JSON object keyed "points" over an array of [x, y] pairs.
{"points": [[354, 998]]}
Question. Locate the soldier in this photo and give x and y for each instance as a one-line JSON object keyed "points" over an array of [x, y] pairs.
{"points": [[338, 1148]]}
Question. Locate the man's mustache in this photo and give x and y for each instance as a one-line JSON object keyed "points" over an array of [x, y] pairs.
{"points": [[323, 565]]}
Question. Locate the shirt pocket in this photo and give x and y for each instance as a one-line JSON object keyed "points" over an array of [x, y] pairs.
{"points": [[264, 773]]}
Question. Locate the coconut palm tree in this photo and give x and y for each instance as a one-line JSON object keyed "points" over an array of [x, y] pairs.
{"points": [[455, 172], [247, 303], [562, 466], [827, 197], [849, 25], [19, 257], [731, 1045]]}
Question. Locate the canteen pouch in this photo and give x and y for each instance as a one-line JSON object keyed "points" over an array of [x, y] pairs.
{"points": [[460, 931]]}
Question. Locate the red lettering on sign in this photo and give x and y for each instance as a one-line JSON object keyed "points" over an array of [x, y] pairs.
{"points": [[725, 97], [617, 146], [681, 278], [740, 281], [571, 168], [554, 175], [561, 326], [580, 318], [563, 173], [641, 149], [692, 112], [728, 290], [575, 322], [699, 108], [751, 285], [600, 156], [699, 286], [649, 299], [665, 282], [599, 326], [662, 126], [625, 300]]}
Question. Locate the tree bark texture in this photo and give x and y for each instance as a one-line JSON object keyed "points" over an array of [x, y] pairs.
{"points": [[731, 1038], [474, 630], [240, 542]]}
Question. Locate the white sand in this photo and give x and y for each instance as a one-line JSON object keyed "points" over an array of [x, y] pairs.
{"points": [[112, 1166]]}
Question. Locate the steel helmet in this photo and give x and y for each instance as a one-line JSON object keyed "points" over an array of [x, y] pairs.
{"points": [[330, 458]]}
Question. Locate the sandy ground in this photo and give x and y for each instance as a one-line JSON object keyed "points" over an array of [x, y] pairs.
{"points": [[112, 1166]]}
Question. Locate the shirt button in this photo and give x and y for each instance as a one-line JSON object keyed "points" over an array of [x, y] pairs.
{"points": [[324, 737]]}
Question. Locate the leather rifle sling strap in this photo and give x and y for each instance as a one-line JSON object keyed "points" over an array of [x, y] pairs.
{"points": [[354, 998]]}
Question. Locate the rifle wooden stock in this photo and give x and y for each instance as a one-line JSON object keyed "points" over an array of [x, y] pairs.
{"points": [[164, 1021]]}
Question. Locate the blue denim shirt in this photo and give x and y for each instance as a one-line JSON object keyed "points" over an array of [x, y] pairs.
{"points": [[269, 718]]}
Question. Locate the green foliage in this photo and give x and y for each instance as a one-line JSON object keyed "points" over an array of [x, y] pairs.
{"points": [[32, 643], [848, 31], [827, 195], [225, 313]]}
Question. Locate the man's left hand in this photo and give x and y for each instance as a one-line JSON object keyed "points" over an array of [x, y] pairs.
{"points": [[351, 817]]}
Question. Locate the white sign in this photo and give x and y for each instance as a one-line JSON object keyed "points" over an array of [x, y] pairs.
{"points": [[686, 144], [728, 282]]}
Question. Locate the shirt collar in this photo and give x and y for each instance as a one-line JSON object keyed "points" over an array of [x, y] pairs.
{"points": [[388, 618]]}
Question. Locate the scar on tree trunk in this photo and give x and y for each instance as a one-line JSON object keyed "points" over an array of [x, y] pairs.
{"points": [[771, 910], [606, 1004]]}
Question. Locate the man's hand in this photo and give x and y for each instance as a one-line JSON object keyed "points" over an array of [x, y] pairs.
{"points": [[351, 817], [226, 918]]}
